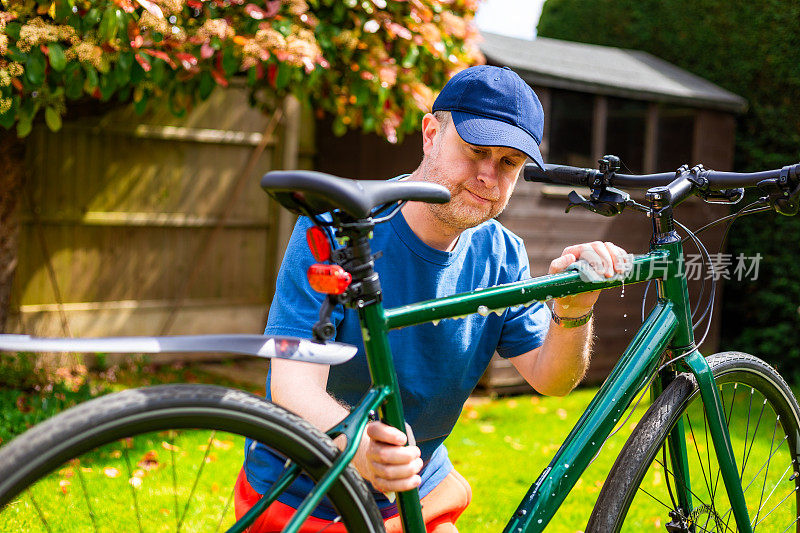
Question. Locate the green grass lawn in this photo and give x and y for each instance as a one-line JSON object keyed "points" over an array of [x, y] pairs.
{"points": [[499, 445]]}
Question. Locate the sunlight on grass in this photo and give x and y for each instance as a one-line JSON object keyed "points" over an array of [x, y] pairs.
{"points": [[137, 474], [501, 446]]}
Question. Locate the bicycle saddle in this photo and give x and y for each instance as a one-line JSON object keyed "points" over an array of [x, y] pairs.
{"points": [[303, 191]]}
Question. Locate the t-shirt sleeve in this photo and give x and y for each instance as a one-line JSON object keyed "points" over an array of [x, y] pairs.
{"points": [[295, 305], [524, 328]]}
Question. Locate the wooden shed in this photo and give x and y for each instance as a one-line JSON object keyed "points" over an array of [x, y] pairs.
{"points": [[597, 100]]}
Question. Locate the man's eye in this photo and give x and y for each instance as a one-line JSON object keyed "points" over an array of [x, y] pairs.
{"points": [[478, 151]]}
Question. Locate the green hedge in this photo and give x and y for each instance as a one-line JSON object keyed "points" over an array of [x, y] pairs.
{"points": [[751, 49]]}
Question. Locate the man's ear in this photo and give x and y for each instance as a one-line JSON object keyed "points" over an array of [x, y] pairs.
{"points": [[430, 128]]}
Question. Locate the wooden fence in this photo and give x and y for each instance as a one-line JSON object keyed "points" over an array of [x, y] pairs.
{"points": [[155, 224]]}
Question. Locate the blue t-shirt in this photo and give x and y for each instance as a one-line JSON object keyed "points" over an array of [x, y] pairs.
{"points": [[437, 366]]}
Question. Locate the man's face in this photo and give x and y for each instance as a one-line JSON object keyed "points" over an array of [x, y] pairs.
{"points": [[480, 178]]}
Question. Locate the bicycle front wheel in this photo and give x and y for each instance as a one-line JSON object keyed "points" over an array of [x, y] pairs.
{"points": [[763, 418], [161, 458]]}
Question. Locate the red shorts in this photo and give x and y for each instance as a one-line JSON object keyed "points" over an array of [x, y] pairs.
{"points": [[440, 509]]}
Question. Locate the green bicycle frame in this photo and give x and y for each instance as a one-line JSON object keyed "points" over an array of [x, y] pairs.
{"points": [[668, 327]]}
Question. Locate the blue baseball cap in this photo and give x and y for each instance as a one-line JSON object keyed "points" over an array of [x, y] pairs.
{"points": [[492, 106]]}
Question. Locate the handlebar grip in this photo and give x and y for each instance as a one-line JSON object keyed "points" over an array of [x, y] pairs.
{"points": [[560, 174]]}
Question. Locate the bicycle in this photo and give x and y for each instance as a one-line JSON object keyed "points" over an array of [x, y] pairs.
{"points": [[725, 394]]}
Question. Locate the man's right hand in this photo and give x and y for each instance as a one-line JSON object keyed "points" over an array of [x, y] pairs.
{"points": [[385, 461]]}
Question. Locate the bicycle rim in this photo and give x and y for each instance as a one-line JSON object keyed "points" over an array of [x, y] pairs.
{"points": [[762, 418], [158, 459]]}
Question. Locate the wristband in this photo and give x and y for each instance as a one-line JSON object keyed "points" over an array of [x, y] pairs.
{"points": [[572, 322]]}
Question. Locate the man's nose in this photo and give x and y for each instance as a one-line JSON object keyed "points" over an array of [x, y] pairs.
{"points": [[488, 172]]}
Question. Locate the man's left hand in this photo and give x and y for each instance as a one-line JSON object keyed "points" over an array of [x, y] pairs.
{"points": [[606, 258]]}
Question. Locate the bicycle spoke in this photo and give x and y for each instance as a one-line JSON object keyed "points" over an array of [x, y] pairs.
{"points": [[711, 487], [86, 496], [39, 512], [744, 448], [133, 490], [657, 499], [777, 484], [699, 459], [765, 463], [758, 423], [332, 522], [747, 432], [790, 525], [225, 510], [693, 493], [174, 477], [196, 479], [745, 489], [766, 473]]}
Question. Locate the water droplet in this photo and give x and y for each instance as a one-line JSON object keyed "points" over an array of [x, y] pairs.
{"points": [[483, 310], [625, 315]]}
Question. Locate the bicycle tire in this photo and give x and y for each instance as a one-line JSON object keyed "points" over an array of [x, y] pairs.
{"points": [[104, 430], [623, 497]]}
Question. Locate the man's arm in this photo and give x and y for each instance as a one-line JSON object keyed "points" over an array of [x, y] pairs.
{"points": [[559, 364], [382, 459]]}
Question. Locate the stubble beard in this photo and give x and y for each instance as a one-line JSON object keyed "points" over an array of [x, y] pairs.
{"points": [[459, 213]]}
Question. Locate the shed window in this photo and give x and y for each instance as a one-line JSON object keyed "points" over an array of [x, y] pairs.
{"points": [[675, 138], [625, 131], [571, 128]]}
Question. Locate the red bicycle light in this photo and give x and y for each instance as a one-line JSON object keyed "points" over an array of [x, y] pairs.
{"points": [[318, 244], [329, 279]]}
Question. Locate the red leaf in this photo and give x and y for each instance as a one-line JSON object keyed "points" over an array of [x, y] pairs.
{"points": [[145, 64], [96, 93], [187, 60], [272, 73], [161, 55], [17, 84], [195, 4], [219, 78]]}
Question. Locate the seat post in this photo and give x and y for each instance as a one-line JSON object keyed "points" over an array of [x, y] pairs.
{"points": [[356, 258]]}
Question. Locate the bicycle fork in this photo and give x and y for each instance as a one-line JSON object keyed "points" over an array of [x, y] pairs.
{"points": [[720, 437], [673, 286]]}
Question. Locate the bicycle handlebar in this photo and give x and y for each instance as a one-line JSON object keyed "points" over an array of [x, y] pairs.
{"points": [[585, 177]]}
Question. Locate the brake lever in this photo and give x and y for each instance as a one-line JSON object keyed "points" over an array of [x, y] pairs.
{"points": [[783, 200], [606, 201], [725, 196]]}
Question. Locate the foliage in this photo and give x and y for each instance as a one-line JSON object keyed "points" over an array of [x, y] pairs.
{"points": [[752, 50], [29, 394], [372, 64]]}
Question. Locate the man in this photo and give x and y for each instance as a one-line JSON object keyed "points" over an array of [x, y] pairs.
{"points": [[486, 122]]}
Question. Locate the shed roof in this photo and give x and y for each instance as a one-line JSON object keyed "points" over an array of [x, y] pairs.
{"points": [[606, 70]]}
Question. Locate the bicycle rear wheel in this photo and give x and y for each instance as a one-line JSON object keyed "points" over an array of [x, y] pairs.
{"points": [[763, 419], [159, 459]]}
